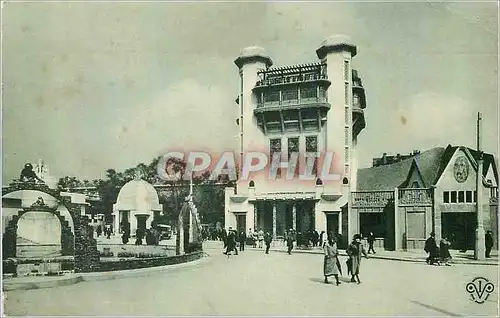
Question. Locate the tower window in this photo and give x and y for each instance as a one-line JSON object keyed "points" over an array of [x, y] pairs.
{"points": [[272, 96], [290, 94], [468, 196], [346, 93], [346, 71]]}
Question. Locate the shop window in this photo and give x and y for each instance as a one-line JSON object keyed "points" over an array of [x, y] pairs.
{"points": [[274, 147], [446, 196], [453, 196], [461, 196], [468, 196]]}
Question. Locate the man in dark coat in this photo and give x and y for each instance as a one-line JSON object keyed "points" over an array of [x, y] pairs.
{"points": [[268, 238], [223, 236], [243, 240], [371, 240], [315, 238], [290, 238], [431, 248], [231, 242], [488, 240]]}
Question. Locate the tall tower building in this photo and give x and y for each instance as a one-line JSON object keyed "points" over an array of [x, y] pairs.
{"points": [[307, 109]]}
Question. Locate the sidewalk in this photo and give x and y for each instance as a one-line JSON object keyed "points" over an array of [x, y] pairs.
{"points": [[415, 256], [37, 282]]}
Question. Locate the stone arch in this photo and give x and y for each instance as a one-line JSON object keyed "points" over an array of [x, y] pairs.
{"points": [[67, 236], [84, 248]]}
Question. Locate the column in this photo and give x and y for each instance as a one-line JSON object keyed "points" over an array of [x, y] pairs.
{"points": [[294, 216], [255, 219], [274, 219], [398, 239]]}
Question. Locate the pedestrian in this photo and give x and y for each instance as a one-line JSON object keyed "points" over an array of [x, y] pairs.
{"points": [[354, 251], [315, 238], [488, 240], [108, 231], [261, 238], [98, 230], [243, 240], [231, 242], [250, 236], [371, 240], [289, 242], [223, 236], [321, 238], [139, 234], [268, 238], [331, 264], [444, 251], [125, 236], [432, 249]]}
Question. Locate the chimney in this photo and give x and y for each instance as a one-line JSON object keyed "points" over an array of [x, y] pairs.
{"points": [[384, 158]]}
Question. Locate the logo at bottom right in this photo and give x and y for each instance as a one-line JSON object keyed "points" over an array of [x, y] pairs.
{"points": [[480, 289]]}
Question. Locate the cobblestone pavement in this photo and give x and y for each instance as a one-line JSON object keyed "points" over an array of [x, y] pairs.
{"points": [[254, 283]]}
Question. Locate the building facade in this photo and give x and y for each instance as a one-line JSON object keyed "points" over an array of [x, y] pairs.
{"points": [[432, 191], [304, 109]]}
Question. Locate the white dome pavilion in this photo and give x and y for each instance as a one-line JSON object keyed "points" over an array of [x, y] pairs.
{"points": [[137, 203]]}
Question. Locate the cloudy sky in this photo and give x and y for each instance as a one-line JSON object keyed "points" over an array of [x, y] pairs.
{"points": [[91, 86]]}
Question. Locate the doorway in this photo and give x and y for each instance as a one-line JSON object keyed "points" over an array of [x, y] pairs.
{"points": [[141, 222], [241, 222], [460, 229], [332, 222]]}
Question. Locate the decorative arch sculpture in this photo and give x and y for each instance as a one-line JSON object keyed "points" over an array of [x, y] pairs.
{"points": [[84, 249], [188, 210]]}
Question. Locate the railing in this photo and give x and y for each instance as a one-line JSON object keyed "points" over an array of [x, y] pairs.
{"points": [[293, 102], [372, 198], [414, 196], [285, 79]]}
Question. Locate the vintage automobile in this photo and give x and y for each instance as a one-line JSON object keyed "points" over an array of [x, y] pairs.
{"points": [[165, 231]]}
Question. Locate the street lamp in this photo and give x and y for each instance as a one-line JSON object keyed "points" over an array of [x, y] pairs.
{"points": [[480, 248]]}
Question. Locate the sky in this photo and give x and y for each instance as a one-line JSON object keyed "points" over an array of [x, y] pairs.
{"points": [[91, 86]]}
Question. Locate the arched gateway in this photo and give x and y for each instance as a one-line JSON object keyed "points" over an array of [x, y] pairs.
{"points": [[80, 244]]}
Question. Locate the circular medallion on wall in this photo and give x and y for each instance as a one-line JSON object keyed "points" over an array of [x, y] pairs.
{"points": [[461, 169]]}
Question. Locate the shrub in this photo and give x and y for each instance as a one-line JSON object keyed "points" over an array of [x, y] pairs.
{"points": [[126, 254], [106, 254], [193, 247]]}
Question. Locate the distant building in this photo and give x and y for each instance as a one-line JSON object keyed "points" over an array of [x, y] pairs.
{"points": [[136, 206], [403, 202], [387, 160]]}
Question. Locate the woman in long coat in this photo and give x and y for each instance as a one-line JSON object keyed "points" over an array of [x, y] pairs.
{"points": [[354, 251], [331, 265]]}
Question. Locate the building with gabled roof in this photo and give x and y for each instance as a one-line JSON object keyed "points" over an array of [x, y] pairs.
{"points": [[432, 191]]}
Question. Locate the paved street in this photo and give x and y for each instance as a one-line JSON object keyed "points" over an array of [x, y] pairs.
{"points": [[253, 283]]}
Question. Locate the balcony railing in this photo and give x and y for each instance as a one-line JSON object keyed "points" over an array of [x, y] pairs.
{"points": [[287, 79], [293, 102], [372, 198], [414, 196]]}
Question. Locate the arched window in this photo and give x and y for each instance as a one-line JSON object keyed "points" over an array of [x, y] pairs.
{"points": [[251, 184], [319, 182], [345, 181], [415, 185]]}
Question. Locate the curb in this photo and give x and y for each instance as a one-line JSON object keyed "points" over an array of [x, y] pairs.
{"points": [[99, 276], [390, 258]]}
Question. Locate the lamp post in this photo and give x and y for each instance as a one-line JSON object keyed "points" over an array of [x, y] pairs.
{"points": [[480, 248]]}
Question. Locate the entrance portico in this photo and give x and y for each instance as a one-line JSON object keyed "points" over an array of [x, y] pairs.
{"points": [[277, 216]]}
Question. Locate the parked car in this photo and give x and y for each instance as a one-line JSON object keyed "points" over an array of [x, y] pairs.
{"points": [[165, 231]]}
